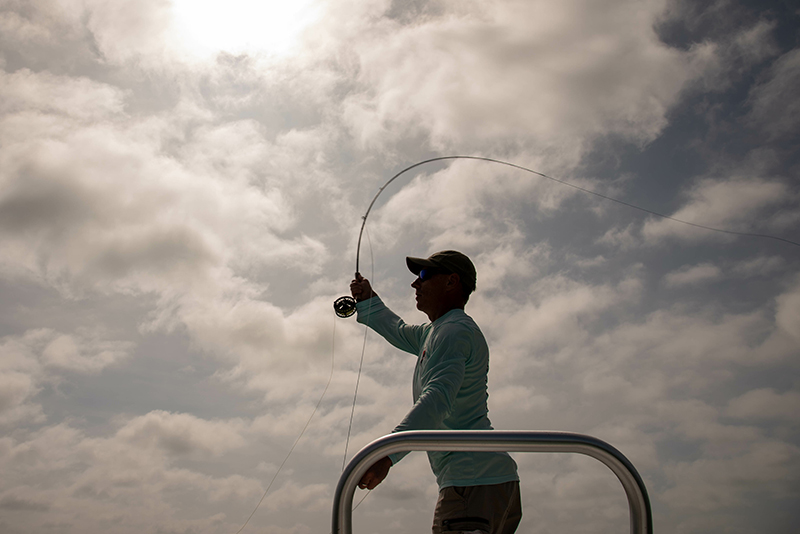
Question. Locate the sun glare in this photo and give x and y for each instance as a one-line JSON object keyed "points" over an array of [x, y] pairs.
{"points": [[205, 27]]}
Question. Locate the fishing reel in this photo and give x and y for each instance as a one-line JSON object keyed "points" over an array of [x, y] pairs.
{"points": [[344, 306]]}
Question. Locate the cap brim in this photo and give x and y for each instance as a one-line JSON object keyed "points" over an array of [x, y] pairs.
{"points": [[415, 265]]}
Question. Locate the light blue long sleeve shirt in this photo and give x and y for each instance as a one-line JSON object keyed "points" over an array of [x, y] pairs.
{"points": [[449, 388]]}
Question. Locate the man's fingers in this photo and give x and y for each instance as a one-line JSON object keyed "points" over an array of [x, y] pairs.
{"points": [[370, 479]]}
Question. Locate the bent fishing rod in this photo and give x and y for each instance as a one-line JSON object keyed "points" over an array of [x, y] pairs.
{"points": [[346, 306]]}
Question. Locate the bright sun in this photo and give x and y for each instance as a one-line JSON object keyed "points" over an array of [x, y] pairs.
{"points": [[273, 26]]}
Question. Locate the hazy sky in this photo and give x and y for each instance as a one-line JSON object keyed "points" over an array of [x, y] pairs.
{"points": [[181, 188]]}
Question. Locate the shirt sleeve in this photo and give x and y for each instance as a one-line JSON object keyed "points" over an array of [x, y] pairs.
{"points": [[376, 315], [442, 380]]}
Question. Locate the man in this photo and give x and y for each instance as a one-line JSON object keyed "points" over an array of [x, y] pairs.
{"points": [[478, 491]]}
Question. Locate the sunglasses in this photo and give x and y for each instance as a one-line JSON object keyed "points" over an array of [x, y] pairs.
{"points": [[427, 274]]}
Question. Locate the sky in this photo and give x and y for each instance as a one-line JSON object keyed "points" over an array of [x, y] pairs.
{"points": [[181, 189]]}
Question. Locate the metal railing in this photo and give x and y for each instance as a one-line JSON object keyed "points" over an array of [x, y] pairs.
{"points": [[492, 440]]}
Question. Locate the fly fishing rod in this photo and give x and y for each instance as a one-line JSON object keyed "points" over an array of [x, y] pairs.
{"points": [[346, 306]]}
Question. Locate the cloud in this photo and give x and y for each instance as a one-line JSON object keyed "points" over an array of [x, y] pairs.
{"points": [[13, 503], [520, 72], [621, 238], [517, 398], [507, 262], [713, 484], [787, 315], [84, 351], [182, 434], [704, 340], [555, 308], [39, 356], [640, 366], [760, 266], [731, 50], [45, 33], [690, 275], [206, 206], [144, 226], [766, 403], [729, 204], [106, 207], [704, 273], [291, 495], [86, 100], [774, 106], [15, 389], [128, 478], [128, 29]]}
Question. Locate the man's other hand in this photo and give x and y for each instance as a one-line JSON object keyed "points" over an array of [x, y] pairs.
{"points": [[375, 474]]}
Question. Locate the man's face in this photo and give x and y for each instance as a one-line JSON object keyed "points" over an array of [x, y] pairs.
{"points": [[430, 290]]}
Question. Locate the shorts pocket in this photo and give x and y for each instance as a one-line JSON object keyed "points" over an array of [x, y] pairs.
{"points": [[465, 524]]}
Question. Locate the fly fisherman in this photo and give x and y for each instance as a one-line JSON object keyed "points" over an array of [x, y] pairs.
{"points": [[478, 491]]}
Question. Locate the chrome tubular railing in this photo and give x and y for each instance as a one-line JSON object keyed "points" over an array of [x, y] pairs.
{"points": [[492, 440]]}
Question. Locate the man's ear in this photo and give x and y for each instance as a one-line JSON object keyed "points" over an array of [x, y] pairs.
{"points": [[452, 281]]}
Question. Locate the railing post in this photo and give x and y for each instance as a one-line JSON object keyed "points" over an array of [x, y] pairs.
{"points": [[492, 440]]}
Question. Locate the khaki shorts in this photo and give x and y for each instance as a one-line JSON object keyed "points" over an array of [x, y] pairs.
{"points": [[494, 509]]}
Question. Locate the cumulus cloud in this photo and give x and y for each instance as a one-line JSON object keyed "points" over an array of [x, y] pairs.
{"points": [[520, 70], [554, 307], [517, 398], [84, 352], [174, 227], [678, 354], [38, 357], [731, 55], [292, 495], [101, 207], [109, 213], [639, 365], [693, 274], [129, 29], [727, 204], [16, 388], [115, 478], [182, 434], [761, 266], [46, 33], [787, 315], [48, 94], [708, 485], [621, 238], [774, 106], [766, 403]]}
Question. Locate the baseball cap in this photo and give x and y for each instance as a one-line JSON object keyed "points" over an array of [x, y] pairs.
{"points": [[447, 260]]}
